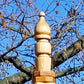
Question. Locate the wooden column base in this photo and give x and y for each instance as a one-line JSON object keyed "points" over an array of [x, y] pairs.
{"points": [[44, 73], [44, 83], [44, 77]]}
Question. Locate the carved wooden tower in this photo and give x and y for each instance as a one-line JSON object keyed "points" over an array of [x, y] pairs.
{"points": [[43, 73]]}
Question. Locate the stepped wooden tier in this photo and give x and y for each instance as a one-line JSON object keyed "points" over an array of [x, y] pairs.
{"points": [[43, 73]]}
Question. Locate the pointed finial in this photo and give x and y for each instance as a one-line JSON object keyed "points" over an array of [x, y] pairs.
{"points": [[41, 14], [42, 29]]}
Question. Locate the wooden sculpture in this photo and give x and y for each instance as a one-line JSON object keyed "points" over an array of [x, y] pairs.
{"points": [[43, 73]]}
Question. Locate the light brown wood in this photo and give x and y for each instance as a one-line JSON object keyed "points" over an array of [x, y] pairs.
{"points": [[43, 47], [44, 83], [43, 63], [42, 29], [44, 73], [43, 51], [44, 79]]}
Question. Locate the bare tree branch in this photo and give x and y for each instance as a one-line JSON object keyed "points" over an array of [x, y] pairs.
{"points": [[56, 61], [79, 4], [69, 71], [59, 58], [21, 77], [16, 30], [17, 63], [18, 78]]}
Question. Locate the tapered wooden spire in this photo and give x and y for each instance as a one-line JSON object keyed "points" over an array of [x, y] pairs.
{"points": [[43, 73]]}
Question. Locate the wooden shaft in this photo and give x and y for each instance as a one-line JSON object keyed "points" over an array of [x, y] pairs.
{"points": [[43, 73]]}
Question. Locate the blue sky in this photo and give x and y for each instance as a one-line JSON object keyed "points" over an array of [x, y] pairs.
{"points": [[41, 6]]}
